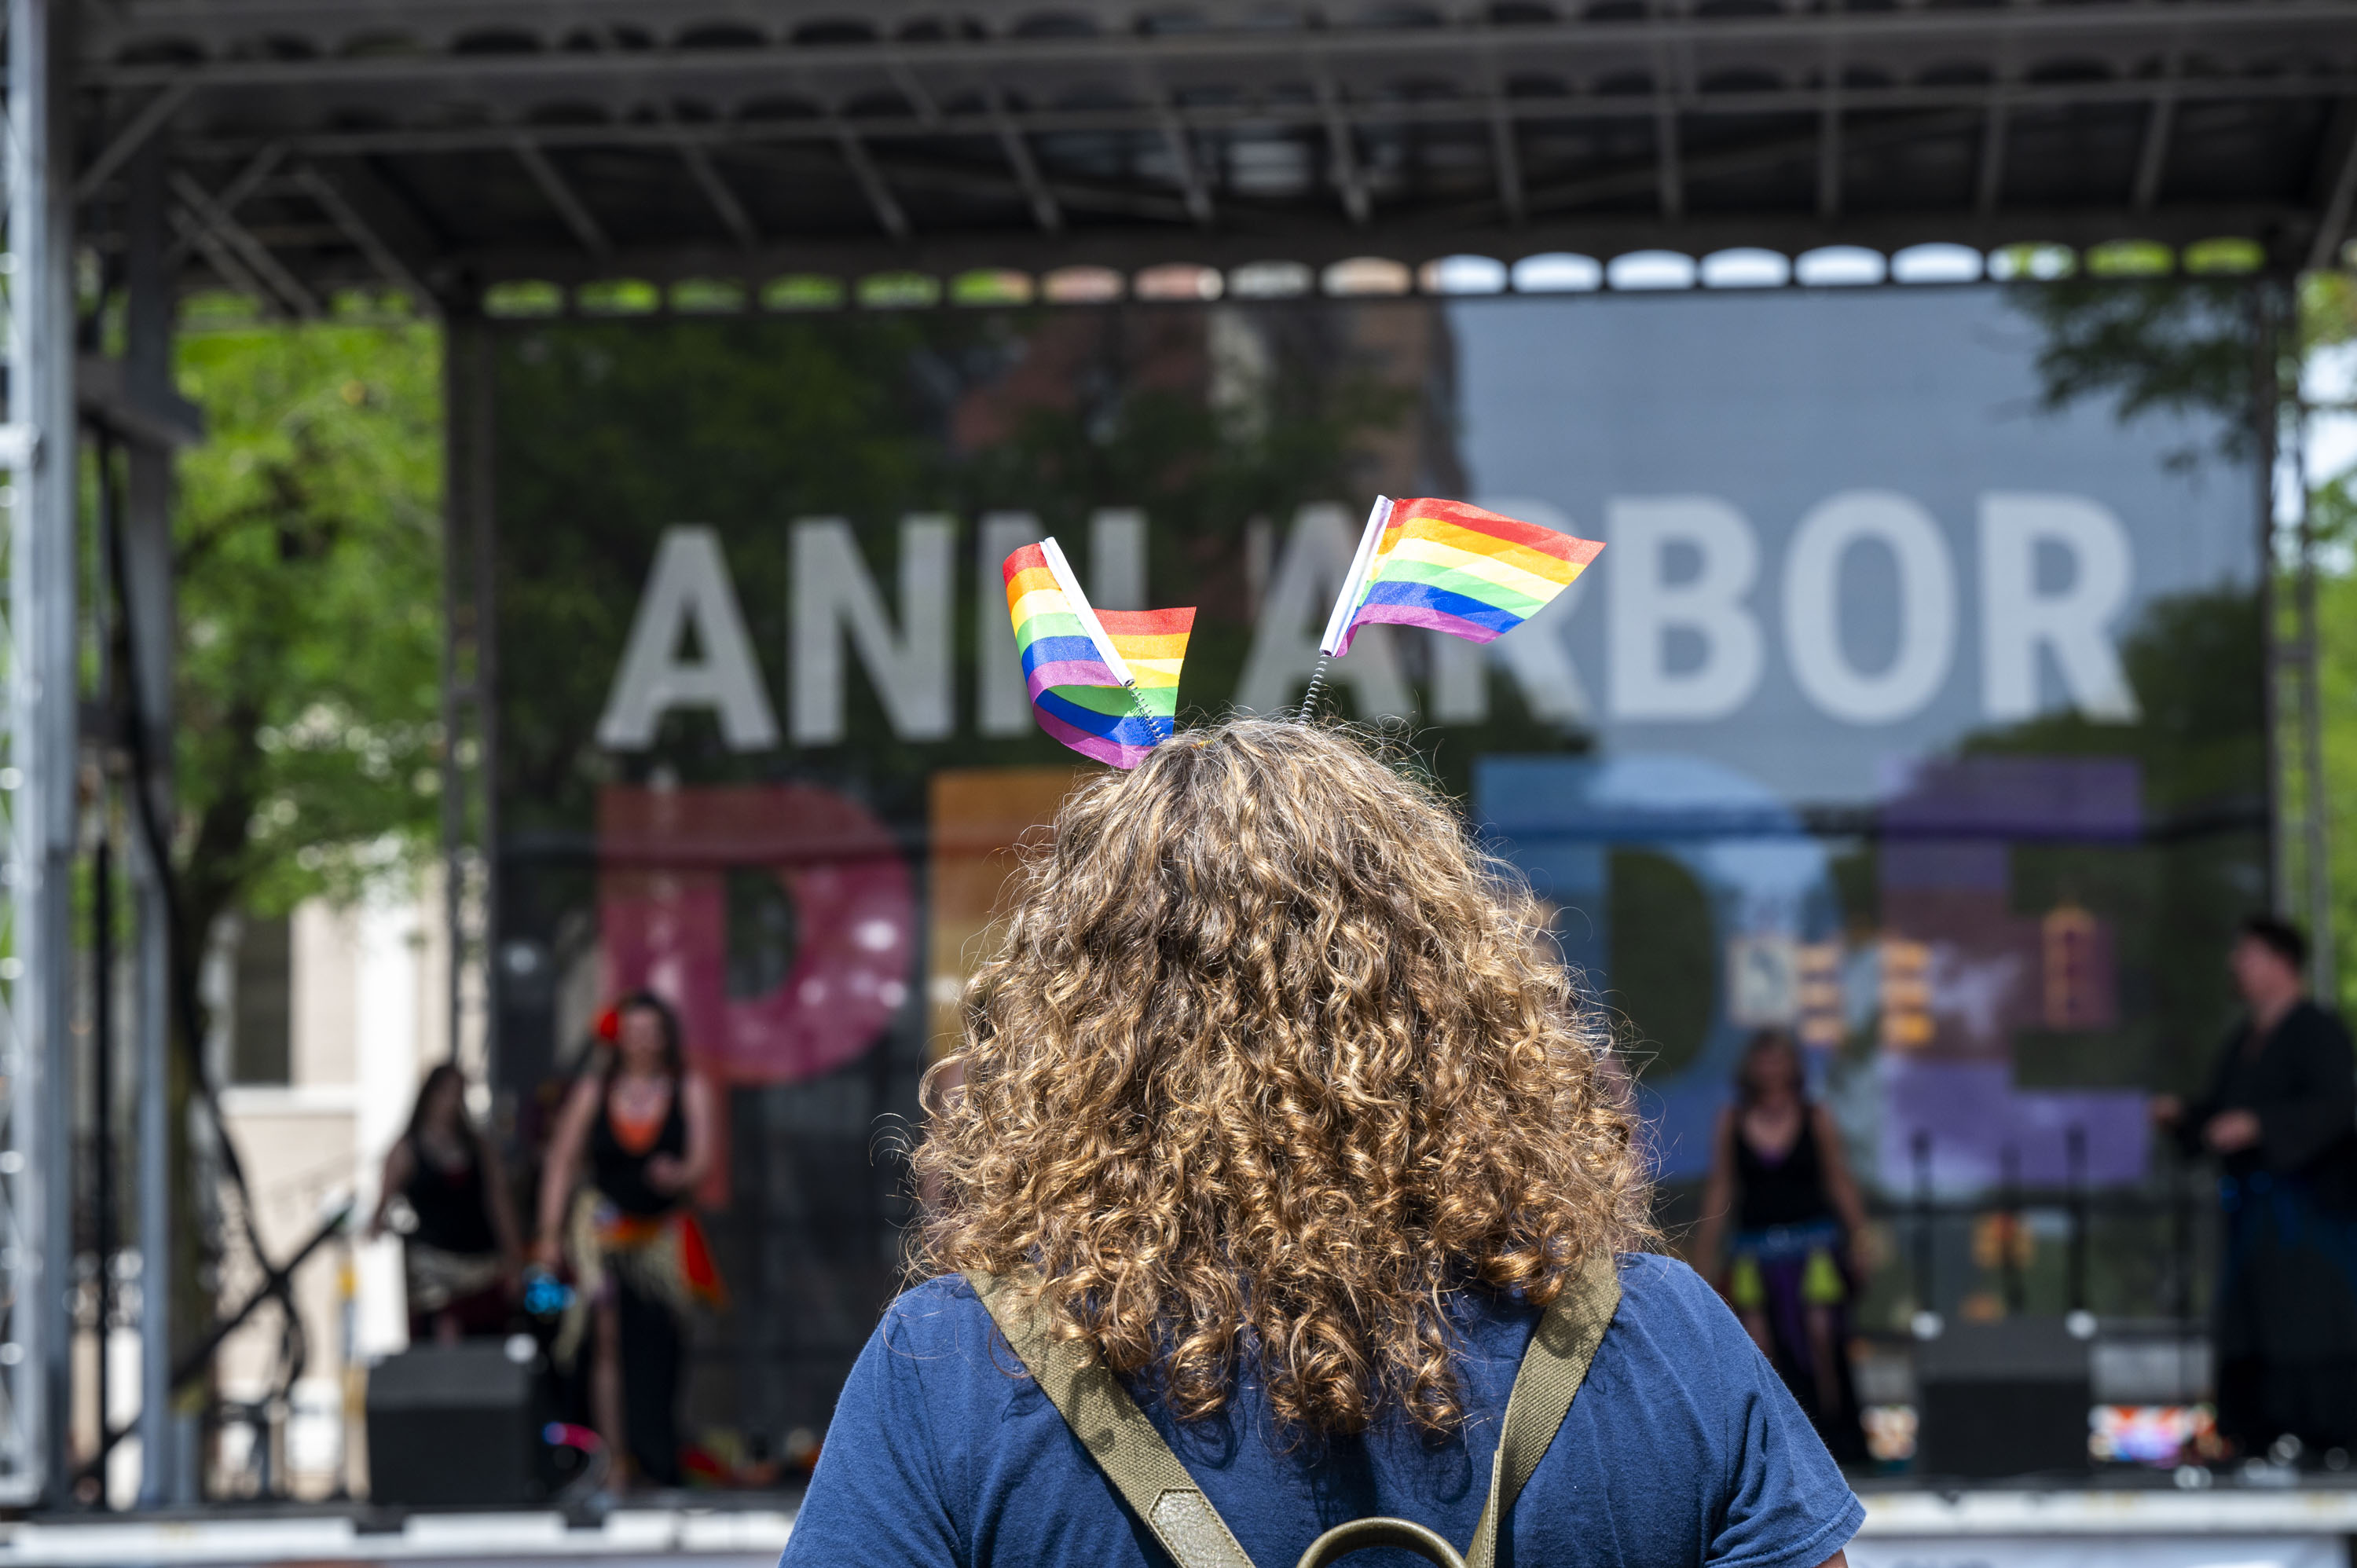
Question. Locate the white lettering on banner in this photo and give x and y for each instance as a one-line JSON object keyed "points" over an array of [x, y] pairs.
{"points": [[1117, 582], [1812, 607], [1646, 606], [2071, 623], [1460, 679], [688, 587], [1116, 559], [1002, 704], [688, 648], [1535, 655], [834, 595], [1285, 639]]}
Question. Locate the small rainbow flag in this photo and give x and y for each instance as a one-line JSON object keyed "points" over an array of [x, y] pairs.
{"points": [[1453, 567], [1103, 682]]}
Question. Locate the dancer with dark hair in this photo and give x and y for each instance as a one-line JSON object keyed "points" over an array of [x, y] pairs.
{"points": [[1777, 1162], [1283, 1150], [461, 1254], [2280, 1117], [641, 1120]]}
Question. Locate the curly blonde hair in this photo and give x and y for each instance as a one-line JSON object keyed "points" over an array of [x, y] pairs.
{"points": [[1274, 1061]]}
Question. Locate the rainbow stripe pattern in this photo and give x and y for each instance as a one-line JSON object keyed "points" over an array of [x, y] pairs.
{"points": [[1075, 693], [1461, 570]]}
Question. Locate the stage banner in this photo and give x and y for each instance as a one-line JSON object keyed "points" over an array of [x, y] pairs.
{"points": [[1907, 708]]}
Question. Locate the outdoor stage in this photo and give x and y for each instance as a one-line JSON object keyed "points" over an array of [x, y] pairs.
{"points": [[2138, 1521], [794, 321]]}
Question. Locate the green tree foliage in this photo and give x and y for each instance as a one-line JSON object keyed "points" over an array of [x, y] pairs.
{"points": [[308, 566], [2172, 347], [2184, 346]]}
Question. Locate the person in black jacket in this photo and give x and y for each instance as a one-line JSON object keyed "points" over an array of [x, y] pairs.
{"points": [[2281, 1119]]}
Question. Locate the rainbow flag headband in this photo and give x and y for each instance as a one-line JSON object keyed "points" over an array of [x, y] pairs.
{"points": [[1103, 682], [1451, 567], [1106, 682]]}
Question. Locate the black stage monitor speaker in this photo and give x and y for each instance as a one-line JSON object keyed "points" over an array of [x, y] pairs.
{"points": [[2002, 1398], [451, 1425]]}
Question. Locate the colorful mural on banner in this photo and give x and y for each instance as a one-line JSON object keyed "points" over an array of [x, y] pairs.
{"points": [[1901, 709]]}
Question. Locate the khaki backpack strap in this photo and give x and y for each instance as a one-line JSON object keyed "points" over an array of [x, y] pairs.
{"points": [[1116, 1434], [1552, 1370]]}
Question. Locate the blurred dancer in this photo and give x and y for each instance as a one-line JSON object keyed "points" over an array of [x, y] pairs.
{"points": [[460, 1258], [1776, 1159], [640, 1119], [2281, 1118]]}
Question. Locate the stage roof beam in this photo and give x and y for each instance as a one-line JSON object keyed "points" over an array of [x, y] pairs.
{"points": [[1506, 163], [717, 194], [1853, 100], [552, 183], [210, 219], [133, 136], [889, 214], [1044, 210], [1829, 161], [1176, 141], [232, 195], [2340, 193], [1988, 178], [1342, 151], [2127, 26], [1004, 141], [2152, 154], [389, 265]]}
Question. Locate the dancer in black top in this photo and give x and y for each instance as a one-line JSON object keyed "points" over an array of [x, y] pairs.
{"points": [[460, 1255], [2281, 1118], [641, 1121], [1777, 1162]]}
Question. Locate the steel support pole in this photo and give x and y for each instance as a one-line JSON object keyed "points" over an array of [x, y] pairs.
{"points": [[2315, 823], [2266, 400], [42, 580], [147, 582], [469, 670], [456, 687]]}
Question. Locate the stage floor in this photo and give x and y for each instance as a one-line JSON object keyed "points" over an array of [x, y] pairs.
{"points": [[2232, 1524]]}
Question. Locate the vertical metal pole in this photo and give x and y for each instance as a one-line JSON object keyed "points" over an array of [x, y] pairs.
{"points": [[2264, 412], [42, 581], [2315, 842], [101, 1095], [479, 416], [1923, 1221], [2009, 1258], [454, 805], [148, 608], [21, 1472], [457, 689], [2081, 1218], [469, 806]]}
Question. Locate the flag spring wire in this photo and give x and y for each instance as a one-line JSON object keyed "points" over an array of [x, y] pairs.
{"points": [[1153, 720], [1316, 684]]}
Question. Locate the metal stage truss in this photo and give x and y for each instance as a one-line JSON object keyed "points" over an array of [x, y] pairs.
{"points": [[298, 153], [450, 146]]}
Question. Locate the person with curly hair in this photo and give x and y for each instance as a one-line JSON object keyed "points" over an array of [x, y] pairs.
{"points": [[1278, 1104]]}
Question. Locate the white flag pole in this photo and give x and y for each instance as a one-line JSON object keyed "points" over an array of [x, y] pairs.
{"points": [[1062, 571], [1360, 564]]}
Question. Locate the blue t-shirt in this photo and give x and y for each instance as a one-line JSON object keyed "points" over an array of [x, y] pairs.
{"points": [[1683, 1448]]}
